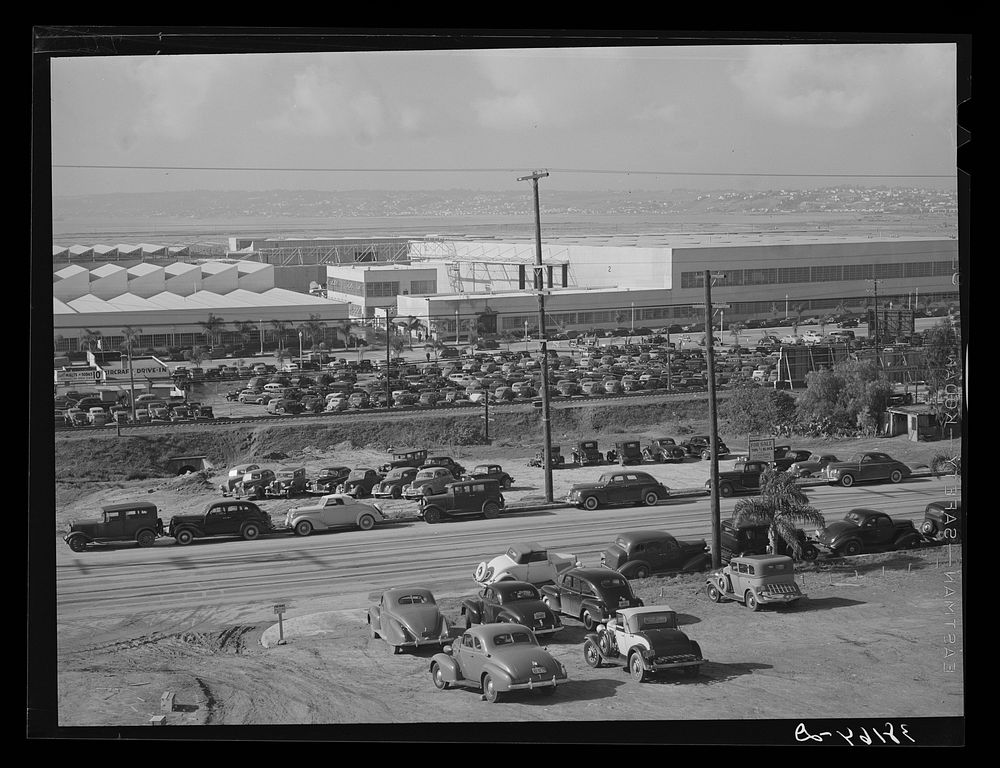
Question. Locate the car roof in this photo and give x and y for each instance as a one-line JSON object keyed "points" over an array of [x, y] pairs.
{"points": [[628, 612], [133, 505], [765, 559], [523, 547], [396, 591], [646, 534], [489, 631], [509, 585], [346, 498], [594, 573]]}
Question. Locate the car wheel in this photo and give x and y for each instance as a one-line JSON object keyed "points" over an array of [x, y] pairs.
{"points": [[303, 528], [726, 490], [591, 654], [184, 537], [432, 515], [251, 532], [489, 689], [896, 476], [490, 510], [588, 621], [146, 538], [714, 594], [751, 601], [928, 528], [847, 480], [366, 522], [852, 548], [438, 677], [641, 572], [809, 553], [651, 498], [591, 503], [706, 455], [78, 544], [636, 669]]}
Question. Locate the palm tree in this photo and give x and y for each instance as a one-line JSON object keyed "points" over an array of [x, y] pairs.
{"points": [[281, 355], [245, 330], [91, 339], [780, 504], [413, 325], [280, 330], [345, 328], [798, 309], [211, 328], [315, 329]]}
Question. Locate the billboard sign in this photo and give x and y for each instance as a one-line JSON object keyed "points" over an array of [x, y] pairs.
{"points": [[760, 448], [148, 367], [77, 375]]}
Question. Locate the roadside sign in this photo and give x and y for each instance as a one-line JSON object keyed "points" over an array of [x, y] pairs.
{"points": [[760, 448], [279, 609]]}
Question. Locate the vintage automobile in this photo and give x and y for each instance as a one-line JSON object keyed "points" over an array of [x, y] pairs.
{"points": [[391, 486], [815, 464], [490, 472], [497, 658], [619, 487], [514, 602], [466, 498], [587, 452], [755, 581], [699, 445], [288, 482], [427, 481], [359, 482], [132, 521], [556, 459], [405, 458], [254, 484], [943, 521], [526, 561], [235, 476], [648, 639], [328, 479], [628, 452], [456, 469], [333, 511], [253, 397], [866, 466], [637, 554], [791, 455], [591, 595], [866, 530], [408, 617], [221, 518], [663, 449], [744, 478], [752, 539]]}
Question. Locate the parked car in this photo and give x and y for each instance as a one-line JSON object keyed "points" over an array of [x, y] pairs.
{"points": [[333, 511], [131, 521], [391, 486], [249, 396], [647, 639], [236, 476], [328, 479], [591, 595], [699, 445], [221, 518], [943, 521], [756, 581], [288, 482], [359, 482], [428, 480], [456, 469], [637, 554], [587, 453], [405, 458], [744, 478], [866, 530], [462, 499], [815, 464], [496, 659], [514, 602], [490, 472], [864, 467], [408, 617], [254, 484], [525, 561], [619, 487], [663, 449], [628, 452], [556, 459], [752, 539]]}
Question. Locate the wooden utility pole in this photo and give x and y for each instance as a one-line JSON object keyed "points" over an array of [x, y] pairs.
{"points": [[713, 425], [539, 287]]}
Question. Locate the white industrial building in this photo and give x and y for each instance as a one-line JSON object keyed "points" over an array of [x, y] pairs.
{"points": [[368, 288]]}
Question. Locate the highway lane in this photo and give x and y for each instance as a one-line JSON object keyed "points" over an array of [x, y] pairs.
{"points": [[343, 568]]}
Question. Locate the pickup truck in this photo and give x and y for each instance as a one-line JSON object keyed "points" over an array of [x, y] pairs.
{"points": [[866, 530], [745, 479], [133, 521]]}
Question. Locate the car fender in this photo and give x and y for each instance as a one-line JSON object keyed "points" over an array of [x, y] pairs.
{"points": [[78, 535], [451, 670], [473, 609], [501, 677], [550, 596], [392, 632], [632, 565], [595, 606]]}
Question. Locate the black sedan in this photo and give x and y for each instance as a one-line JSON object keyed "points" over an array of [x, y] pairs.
{"points": [[514, 602], [621, 487]]}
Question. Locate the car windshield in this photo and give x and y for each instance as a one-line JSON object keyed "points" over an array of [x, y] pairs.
{"points": [[514, 638], [815, 457], [856, 458], [853, 517], [396, 474], [659, 620], [286, 475], [424, 474], [357, 474]]}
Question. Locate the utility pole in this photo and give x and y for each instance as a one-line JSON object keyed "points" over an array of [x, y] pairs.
{"points": [[388, 364], [539, 286], [713, 425], [874, 289]]}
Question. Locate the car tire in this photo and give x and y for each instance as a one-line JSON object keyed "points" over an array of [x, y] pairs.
{"points": [[847, 480], [636, 669], [591, 654], [303, 528], [641, 572], [490, 510], [146, 538], [250, 532], [852, 548], [366, 522], [929, 528], [432, 515], [725, 489], [184, 537], [651, 498], [437, 675], [810, 553], [588, 620], [750, 600], [895, 476], [490, 693], [591, 503], [78, 544], [713, 593], [706, 455]]}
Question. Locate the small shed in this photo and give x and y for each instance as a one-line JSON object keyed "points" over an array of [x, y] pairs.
{"points": [[917, 421]]}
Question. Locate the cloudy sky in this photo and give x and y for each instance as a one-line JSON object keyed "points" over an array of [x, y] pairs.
{"points": [[496, 114]]}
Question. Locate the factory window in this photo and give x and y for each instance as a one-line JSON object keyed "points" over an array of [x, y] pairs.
{"points": [[793, 275], [760, 277], [827, 274], [943, 268], [692, 279], [883, 271], [858, 272], [381, 290], [423, 286], [917, 269], [339, 285]]}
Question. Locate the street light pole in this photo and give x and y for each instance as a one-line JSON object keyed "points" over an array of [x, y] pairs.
{"points": [[131, 379], [457, 339], [539, 285], [632, 324], [260, 327], [525, 335], [300, 349]]}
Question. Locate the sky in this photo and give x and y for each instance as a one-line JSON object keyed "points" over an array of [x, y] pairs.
{"points": [[644, 116]]}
